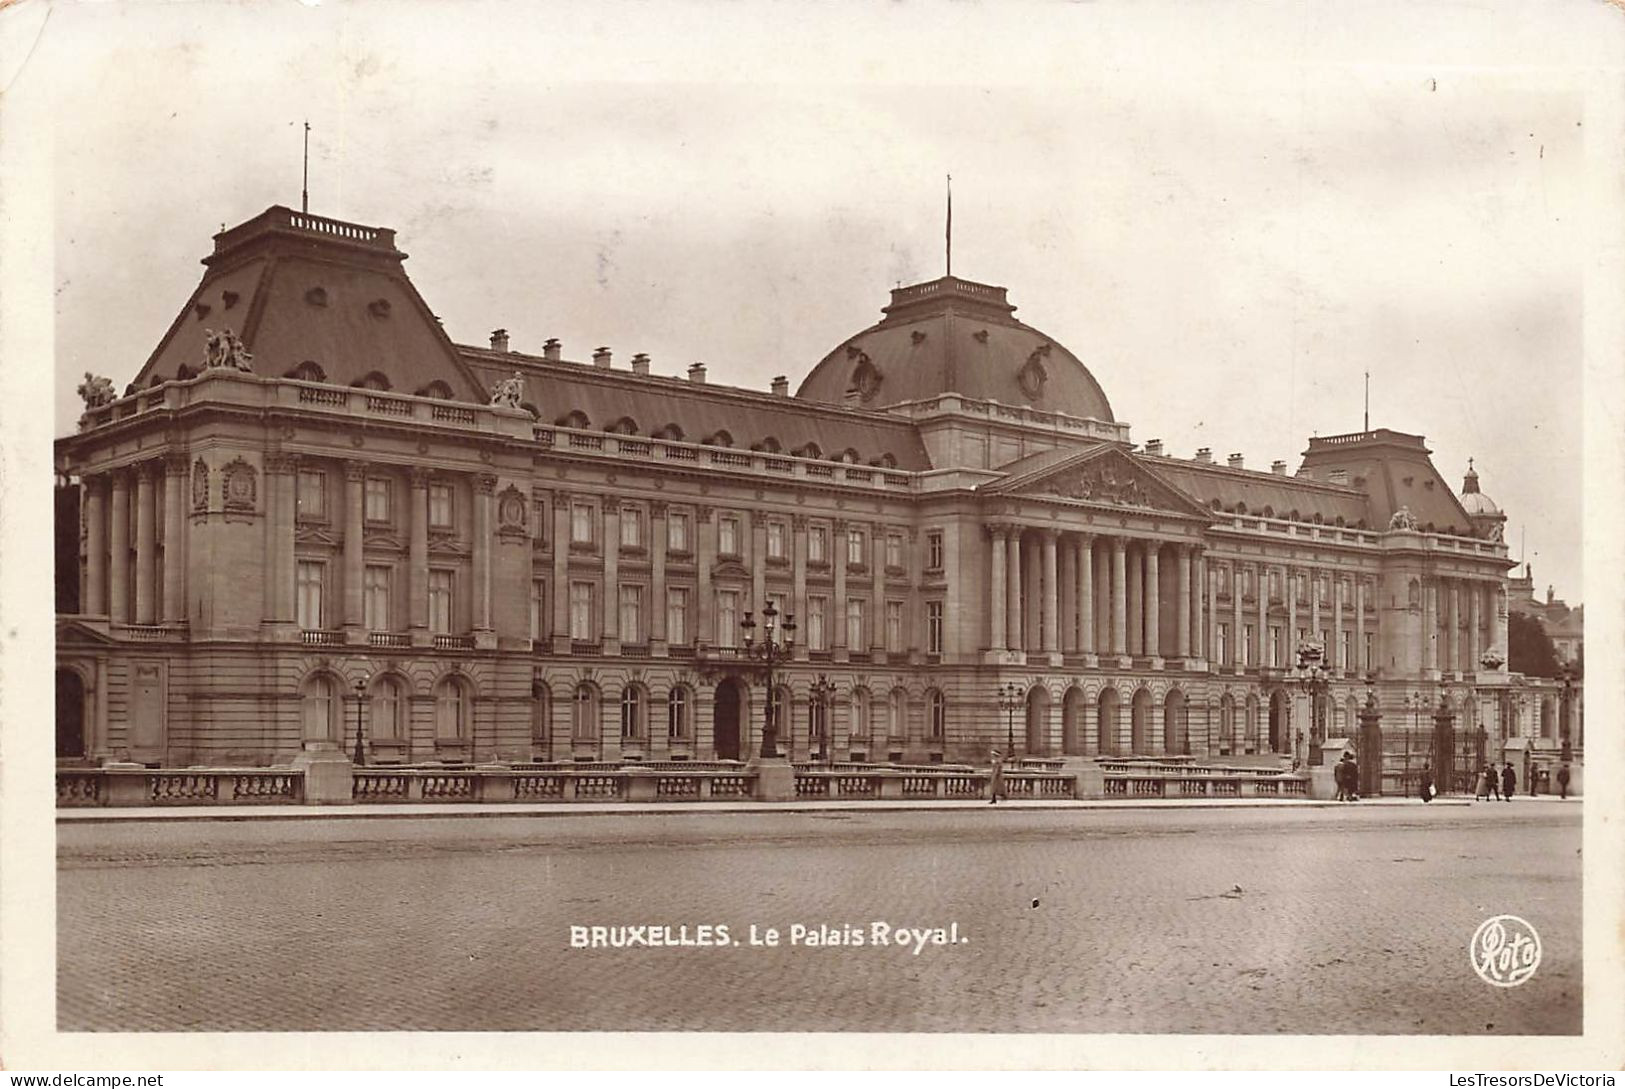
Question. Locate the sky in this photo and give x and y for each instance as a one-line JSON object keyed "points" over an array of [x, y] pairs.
{"points": [[1230, 213]]}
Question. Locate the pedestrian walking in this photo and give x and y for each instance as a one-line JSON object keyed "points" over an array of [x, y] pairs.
{"points": [[1509, 781], [1427, 783], [995, 785], [1481, 785], [1563, 782], [1347, 777], [1492, 779]]}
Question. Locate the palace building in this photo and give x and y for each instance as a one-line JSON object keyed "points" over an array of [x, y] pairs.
{"points": [[311, 506]]}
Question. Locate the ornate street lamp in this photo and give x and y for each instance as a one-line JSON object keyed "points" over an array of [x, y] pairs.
{"points": [[361, 682], [1011, 699], [1566, 720], [822, 691], [773, 648], [1313, 676]]}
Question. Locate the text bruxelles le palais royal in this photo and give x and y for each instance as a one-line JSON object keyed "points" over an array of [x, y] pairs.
{"points": [[310, 499]]}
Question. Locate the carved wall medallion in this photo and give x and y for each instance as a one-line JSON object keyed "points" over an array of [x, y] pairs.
{"points": [[511, 513], [866, 377], [1032, 376], [200, 485], [240, 485]]}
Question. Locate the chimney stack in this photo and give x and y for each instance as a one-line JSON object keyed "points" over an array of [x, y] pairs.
{"points": [[499, 340], [600, 358], [1235, 461], [696, 373], [551, 349], [1204, 455], [640, 363], [781, 386], [1154, 447], [1278, 468]]}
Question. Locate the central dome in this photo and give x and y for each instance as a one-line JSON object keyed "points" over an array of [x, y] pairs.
{"points": [[955, 336]]}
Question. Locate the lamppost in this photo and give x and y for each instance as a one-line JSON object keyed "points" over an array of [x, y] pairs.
{"points": [[773, 648], [1567, 718], [1312, 675], [360, 757], [822, 691], [1011, 699]]}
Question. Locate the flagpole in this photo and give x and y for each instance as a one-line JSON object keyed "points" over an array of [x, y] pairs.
{"points": [[950, 228], [304, 183]]}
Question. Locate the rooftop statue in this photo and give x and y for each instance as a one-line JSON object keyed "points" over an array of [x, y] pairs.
{"points": [[96, 390], [509, 392], [224, 349], [1402, 519]]}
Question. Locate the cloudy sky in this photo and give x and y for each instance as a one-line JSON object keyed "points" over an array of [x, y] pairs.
{"points": [[1229, 213]]}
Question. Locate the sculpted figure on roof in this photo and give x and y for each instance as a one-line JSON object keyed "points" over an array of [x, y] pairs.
{"points": [[96, 390], [224, 349], [510, 392], [1402, 519]]}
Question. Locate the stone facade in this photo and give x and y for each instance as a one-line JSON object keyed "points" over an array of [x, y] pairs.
{"points": [[267, 552]]}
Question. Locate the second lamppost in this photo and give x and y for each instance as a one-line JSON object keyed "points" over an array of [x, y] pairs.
{"points": [[1312, 675], [360, 757], [822, 693], [773, 648], [1011, 699]]}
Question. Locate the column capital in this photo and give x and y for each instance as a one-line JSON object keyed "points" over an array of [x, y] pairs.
{"points": [[485, 483], [561, 498], [280, 462], [420, 475], [702, 514], [1119, 544], [657, 508], [840, 525], [179, 464], [1050, 534], [798, 522], [611, 504], [149, 470], [355, 470]]}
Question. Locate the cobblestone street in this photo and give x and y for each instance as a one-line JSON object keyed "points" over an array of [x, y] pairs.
{"points": [[1217, 921]]}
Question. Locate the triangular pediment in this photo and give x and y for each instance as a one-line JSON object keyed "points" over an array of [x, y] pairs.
{"points": [[78, 633], [1104, 476]]}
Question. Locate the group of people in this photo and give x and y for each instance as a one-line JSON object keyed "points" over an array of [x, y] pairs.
{"points": [[1496, 784], [1347, 777]]}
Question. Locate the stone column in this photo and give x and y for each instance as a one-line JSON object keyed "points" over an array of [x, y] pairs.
{"points": [[1361, 663], [355, 474], [997, 602], [1261, 630], [913, 611], [1012, 587], [657, 580], [146, 543], [561, 573], [281, 523], [877, 595], [1068, 604], [1182, 614], [1103, 599], [1086, 597], [758, 566], [838, 605], [1314, 605], [1135, 561], [174, 606], [1475, 591], [798, 529], [1119, 596], [1336, 649], [95, 603], [1430, 625], [417, 554], [118, 571], [1199, 612], [1452, 647], [1291, 618], [706, 606], [1235, 614], [1032, 596], [1049, 596], [1212, 583], [484, 486], [1153, 599]]}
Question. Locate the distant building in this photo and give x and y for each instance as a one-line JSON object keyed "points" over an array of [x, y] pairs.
{"points": [[310, 503], [1565, 626]]}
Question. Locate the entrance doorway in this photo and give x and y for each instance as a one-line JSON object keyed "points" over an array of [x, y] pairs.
{"points": [[70, 715], [725, 719], [1278, 721]]}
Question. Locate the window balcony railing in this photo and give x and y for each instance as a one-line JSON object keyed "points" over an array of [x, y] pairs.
{"points": [[320, 637], [388, 639], [453, 642]]}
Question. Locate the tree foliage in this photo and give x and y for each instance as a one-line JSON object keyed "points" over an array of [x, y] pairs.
{"points": [[1529, 648]]}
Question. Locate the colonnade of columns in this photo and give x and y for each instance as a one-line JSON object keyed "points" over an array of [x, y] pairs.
{"points": [[1055, 592], [1459, 623], [139, 580]]}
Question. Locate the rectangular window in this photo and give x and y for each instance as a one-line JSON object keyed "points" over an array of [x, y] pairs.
{"points": [[775, 540], [776, 599], [440, 583], [581, 523], [1222, 650], [538, 519], [581, 611], [312, 575], [1275, 585], [817, 545], [538, 608], [854, 546], [894, 626], [375, 594], [894, 550], [312, 494], [933, 627], [1275, 647], [1247, 644], [677, 615], [631, 528], [854, 623], [376, 505], [817, 610], [677, 532], [933, 550], [631, 614], [440, 508], [1348, 651], [727, 618], [728, 536], [1303, 637], [1326, 646], [1368, 651]]}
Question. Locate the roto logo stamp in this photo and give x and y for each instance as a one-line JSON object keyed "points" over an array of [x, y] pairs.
{"points": [[1505, 951]]}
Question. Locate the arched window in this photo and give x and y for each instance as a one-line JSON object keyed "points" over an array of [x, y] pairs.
{"points": [[860, 714], [436, 389], [626, 425], [769, 445], [818, 723], [575, 418], [584, 713], [308, 371], [718, 438], [849, 456], [1252, 722], [535, 413], [633, 711], [1227, 724], [884, 461], [320, 708], [451, 711], [897, 728], [184, 372], [373, 380], [386, 717], [671, 432], [541, 713], [937, 708], [808, 450], [677, 714]]}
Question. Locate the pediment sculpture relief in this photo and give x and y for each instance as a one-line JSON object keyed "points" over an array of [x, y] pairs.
{"points": [[1099, 484]]}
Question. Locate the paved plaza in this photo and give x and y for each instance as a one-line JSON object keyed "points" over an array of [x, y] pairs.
{"points": [[1244, 920]]}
